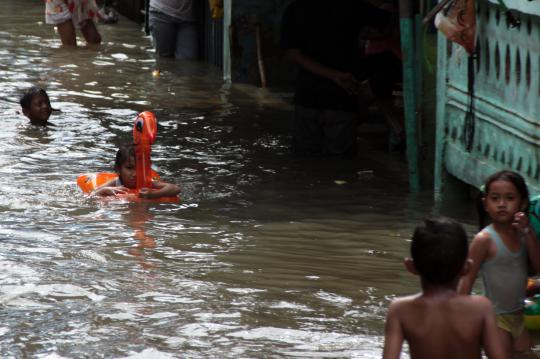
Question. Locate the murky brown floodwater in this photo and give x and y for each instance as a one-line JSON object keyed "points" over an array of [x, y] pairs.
{"points": [[266, 256]]}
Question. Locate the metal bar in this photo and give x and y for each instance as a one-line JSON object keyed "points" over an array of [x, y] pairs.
{"points": [[440, 116], [260, 59], [409, 91], [419, 76], [146, 14], [227, 38]]}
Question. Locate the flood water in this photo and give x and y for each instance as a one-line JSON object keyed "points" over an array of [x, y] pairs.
{"points": [[266, 255]]}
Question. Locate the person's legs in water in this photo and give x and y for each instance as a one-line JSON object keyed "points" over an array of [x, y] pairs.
{"points": [[164, 32], [307, 132], [90, 33], [186, 41], [523, 343], [67, 34], [340, 133]]}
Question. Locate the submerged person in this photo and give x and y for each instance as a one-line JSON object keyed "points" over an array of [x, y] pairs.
{"points": [[69, 15], [439, 322], [36, 105], [502, 253], [126, 181], [174, 28]]}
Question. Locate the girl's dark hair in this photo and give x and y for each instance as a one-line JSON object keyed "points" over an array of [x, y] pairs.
{"points": [[510, 176], [124, 153], [29, 94]]}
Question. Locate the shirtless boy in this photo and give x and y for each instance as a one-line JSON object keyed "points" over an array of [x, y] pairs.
{"points": [[439, 322]]}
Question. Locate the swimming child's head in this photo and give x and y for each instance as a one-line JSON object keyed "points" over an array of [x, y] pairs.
{"points": [[439, 250], [124, 165], [505, 193], [36, 105]]}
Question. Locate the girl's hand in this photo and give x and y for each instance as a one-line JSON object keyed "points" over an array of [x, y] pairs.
{"points": [[111, 191], [145, 193], [521, 222]]}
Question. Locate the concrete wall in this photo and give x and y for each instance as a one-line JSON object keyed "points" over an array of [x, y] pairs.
{"points": [[244, 16]]}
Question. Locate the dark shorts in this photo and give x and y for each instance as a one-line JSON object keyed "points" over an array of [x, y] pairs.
{"points": [[324, 132]]}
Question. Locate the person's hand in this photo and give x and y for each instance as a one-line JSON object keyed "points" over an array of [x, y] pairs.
{"points": [[145, 193], [112, 191], [347, 81], [521, 222]]}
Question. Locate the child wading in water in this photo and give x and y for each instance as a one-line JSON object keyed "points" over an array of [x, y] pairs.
{"points": [[501, 252], [35, 105], [68, 15], [439, 322], [124, 165]]}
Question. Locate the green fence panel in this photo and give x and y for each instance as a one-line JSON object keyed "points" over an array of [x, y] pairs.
{"points": [[507, 98]]}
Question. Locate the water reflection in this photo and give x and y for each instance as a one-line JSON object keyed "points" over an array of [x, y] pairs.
{"points": [[137, 217], [266, 255]]}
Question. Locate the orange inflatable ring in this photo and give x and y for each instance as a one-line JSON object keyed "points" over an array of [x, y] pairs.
{"points": [[88, 182], [144, 135]]}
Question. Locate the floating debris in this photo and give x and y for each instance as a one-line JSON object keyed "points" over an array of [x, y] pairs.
{"points": [[365, 174]]}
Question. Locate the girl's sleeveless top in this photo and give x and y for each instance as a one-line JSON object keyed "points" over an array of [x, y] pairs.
{"points": [[505, 276]]}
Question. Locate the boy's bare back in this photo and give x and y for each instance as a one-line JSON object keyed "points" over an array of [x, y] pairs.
{"points": [[442, 325]]}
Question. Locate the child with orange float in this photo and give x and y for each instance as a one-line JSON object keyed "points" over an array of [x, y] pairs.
{"points": [[134, 176], [126, 182], [501, 253]]}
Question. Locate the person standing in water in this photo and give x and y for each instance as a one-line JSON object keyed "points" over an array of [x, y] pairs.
{"points": [[439, 322], [502, 253], [69, 15], [174, 28], [322, 40]]}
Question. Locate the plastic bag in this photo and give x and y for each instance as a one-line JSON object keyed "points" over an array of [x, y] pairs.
{"points": [[457, 21]]}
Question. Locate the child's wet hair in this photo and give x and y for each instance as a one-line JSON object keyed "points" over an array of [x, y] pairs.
{"points": [[510, 176], [29, 94], [124, 153], [439, 249]]}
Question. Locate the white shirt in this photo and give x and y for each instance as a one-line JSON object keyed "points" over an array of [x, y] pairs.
{"points": [[179, 9]]}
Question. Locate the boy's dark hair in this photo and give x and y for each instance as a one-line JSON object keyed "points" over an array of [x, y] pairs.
{"points": [[439, 249], [29, 94], [124, 153], [510, 176]]}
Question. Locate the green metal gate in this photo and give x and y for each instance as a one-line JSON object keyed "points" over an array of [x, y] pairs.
{"points": [[507, 99]]}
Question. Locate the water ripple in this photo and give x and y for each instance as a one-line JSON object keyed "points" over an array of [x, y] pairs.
{"points": [[265, 256]]}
